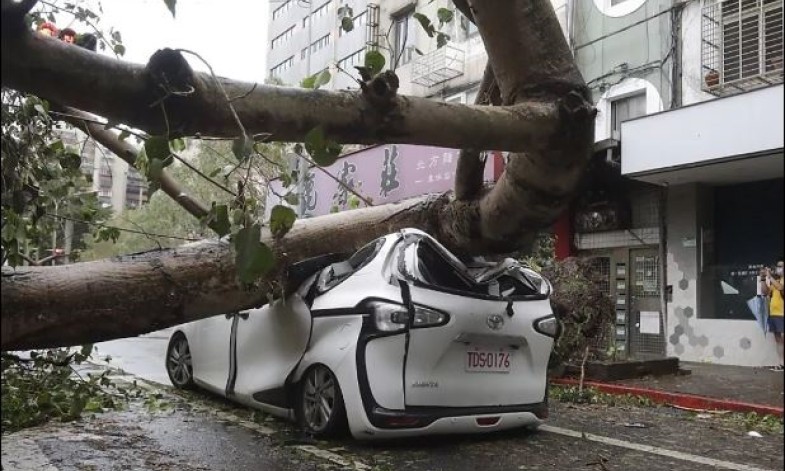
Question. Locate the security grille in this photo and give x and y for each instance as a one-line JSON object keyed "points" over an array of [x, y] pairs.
{"points": [[742, 45], [647, 326], [445, 63]]}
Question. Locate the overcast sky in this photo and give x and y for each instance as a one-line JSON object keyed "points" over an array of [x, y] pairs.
{"points": [[230, 34]]}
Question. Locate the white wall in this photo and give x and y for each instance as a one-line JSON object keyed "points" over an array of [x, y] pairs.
{"points": [[739, 125], [692, 75]]}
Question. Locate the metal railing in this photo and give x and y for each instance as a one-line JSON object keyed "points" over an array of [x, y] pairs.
{"points": [[445, 63], [742, 45]]}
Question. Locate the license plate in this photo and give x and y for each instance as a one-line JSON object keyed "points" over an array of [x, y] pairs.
{"points": [[480, 360]]}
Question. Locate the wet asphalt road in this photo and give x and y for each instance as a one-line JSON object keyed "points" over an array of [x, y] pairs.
{"points": [[202, 432]]}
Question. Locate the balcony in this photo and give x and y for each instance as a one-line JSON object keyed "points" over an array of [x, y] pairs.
{"points": [[439, 66], [742, 45]]}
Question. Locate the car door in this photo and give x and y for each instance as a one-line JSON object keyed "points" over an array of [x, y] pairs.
{"points": [[486, 353], [209, 341], [269, 344]]}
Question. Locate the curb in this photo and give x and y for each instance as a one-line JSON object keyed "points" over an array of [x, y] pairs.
{"points": [[689, 401]]}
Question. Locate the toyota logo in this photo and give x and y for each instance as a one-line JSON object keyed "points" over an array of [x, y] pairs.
{"points": [[495, 321]]}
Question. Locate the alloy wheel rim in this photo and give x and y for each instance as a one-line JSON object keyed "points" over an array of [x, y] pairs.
{"points": [[318, 398], [179, 362]]}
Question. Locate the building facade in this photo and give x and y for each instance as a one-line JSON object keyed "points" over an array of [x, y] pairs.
{"points": [[117, 185], [683, 201], [690, 116]]}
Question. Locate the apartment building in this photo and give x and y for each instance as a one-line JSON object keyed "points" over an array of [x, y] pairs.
{"points": [[116, 184]]}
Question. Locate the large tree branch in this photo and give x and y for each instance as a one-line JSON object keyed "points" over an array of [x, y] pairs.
{"points": [[87, 123], [127, 93], [102, 300], [532, 62]]}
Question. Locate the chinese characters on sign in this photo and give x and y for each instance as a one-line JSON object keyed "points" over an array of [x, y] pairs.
{"points": [[389, 181], [382, 174]]}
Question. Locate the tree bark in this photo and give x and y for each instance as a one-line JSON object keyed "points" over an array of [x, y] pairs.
{"points": [[130, 93]]}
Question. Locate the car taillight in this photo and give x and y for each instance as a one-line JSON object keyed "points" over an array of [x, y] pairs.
{"points": [[548, 326], [424, 317], [391, 317]]}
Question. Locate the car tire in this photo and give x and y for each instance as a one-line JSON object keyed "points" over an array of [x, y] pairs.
{"points": [[320, 407], [179, 365]]}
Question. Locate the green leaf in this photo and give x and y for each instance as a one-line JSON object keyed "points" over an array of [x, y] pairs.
{"points": [[442, 40], [87, 349], [123, 135], [445, 15], [157, 147], [56, 146], [347, 23], [425, 23], [70, 161], [281, 220], [308, 82], [292, 199], [252, 257], [170, 4], [215, 172], [119, 49], [323, 151], [238, 216], [323, 78], [219, 219], [177, 145], [316, 80], [242, 147], [419, 52], [375, 61]]}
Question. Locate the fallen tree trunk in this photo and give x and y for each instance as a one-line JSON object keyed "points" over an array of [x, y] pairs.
{"points": [[107, 299]]}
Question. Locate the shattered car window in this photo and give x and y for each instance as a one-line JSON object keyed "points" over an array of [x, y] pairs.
{"points": [[437, 271]]}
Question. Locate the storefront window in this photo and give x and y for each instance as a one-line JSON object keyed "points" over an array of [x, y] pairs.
{"points": [[747, 235]]}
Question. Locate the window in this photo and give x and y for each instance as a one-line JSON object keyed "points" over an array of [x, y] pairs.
{"points": [[405, 37], [282, 67], [617, 2], [336, 273], [624, 109], [320, 43], [351, 60], [316, 14], [742, 43], [286, 6], [281, 38]]}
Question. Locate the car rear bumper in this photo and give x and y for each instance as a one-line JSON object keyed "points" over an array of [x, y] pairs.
{"points": [[447, 424]]}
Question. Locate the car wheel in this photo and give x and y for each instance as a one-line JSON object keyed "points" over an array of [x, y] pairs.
{"points": [[320, 407], [178, 362]]}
